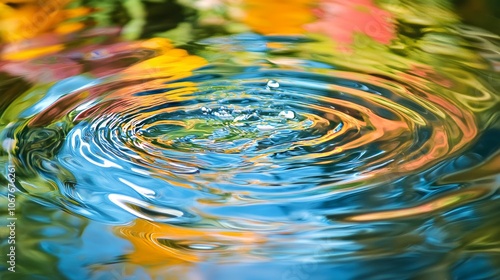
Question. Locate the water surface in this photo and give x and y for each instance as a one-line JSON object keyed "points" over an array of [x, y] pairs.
{"points": [[252, 140]]}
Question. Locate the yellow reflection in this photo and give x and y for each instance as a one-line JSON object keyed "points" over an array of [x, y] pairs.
{"points": [[172, 61], [32, 53], [24, 19], [487, 168], [451, 200], [278, 17], [149, 249]]}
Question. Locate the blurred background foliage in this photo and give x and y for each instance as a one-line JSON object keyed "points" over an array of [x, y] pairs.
{"points": [[189, 19]]}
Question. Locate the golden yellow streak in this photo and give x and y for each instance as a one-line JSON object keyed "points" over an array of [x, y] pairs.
{"points": [[454, 199]]}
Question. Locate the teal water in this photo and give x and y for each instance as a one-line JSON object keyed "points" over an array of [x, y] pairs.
{"points": [[250, 153]]}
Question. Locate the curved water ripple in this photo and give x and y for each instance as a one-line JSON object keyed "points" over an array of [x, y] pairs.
{"points": [[247, 155]]}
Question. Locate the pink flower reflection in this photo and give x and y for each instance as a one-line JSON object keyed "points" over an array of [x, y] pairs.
{"points": [[341, 19]]}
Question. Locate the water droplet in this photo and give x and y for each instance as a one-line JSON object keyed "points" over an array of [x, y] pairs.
{"points": [[287, 114], [272, 84]]}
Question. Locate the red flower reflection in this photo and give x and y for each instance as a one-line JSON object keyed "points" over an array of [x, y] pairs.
{"points": [[341, 19]]}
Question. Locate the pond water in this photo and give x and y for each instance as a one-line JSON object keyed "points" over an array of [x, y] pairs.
{"points": [[248, 139]]}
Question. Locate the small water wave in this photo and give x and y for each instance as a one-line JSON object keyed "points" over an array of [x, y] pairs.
{"points": [[195, 158]]}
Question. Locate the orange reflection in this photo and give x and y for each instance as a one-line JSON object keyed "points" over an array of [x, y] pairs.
{"points": [[23, 19], [442, 203], [163, 244], [174, 61], [149, 74], [33, 52], [171, 63], [278, 17]]}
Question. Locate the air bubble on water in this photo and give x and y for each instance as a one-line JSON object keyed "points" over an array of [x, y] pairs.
{"points": [[287, 114], [223, 115], [272, 84], [206, 110]]}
